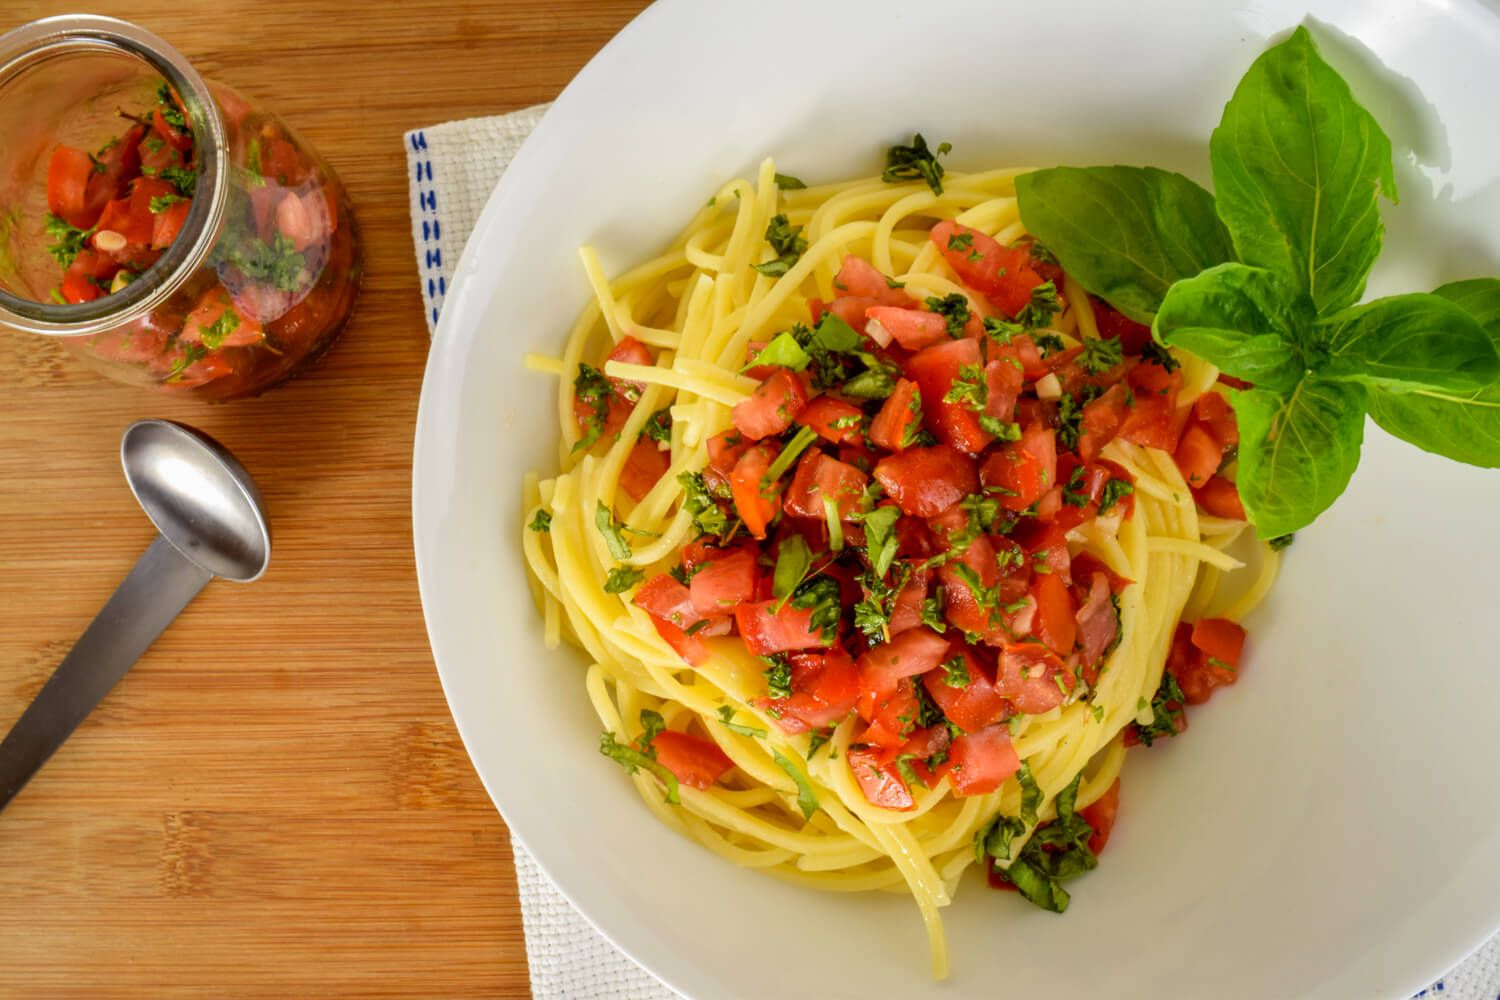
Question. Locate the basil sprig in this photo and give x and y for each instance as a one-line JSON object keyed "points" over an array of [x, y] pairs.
{"points": [[1263, 282]]}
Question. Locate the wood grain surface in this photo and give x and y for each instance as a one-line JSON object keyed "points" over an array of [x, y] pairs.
{"points": [[274, 802]]}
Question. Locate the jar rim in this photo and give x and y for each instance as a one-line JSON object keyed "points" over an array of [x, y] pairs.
{"points": [[45, 39]]}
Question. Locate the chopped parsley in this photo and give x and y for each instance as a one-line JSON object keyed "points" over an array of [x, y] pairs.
{"points": [[954, 308], [161, 203], [881, 542], [1100, 354], [1114, 491], [956, 673], [787, 242], [170, 112], [817, 738], [1000, 331], [969, 389], [1069, 421], [659, 426], [67, 240], [1048, 343], [1168, 716], [184, 179], [622, 578], [276, 263], [595, 391], [914, 162], [215, 333], [821, 597], [932, 612], [778, 675], [1159, 354], [1042, 307], [541, 521], [699, 502]]}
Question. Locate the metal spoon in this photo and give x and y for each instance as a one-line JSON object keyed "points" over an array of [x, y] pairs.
{"points": [[211, 523]]}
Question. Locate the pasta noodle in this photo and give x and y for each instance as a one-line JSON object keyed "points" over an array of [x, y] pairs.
{"points": [[702, 302]]}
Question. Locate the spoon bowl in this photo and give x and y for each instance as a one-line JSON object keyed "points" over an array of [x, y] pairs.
{"points": [[199, 497]]}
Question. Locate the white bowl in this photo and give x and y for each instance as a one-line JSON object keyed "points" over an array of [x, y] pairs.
{"points": [[1329, 828]]}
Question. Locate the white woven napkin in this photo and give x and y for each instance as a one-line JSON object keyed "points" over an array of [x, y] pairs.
{"points": [[453, 168]]}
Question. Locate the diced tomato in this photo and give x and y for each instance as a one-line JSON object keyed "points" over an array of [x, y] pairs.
{"points": [[1032, 678], [772, 408], [755, 508], [1221, 639], [1221, 498], [169, 223], [824, 690], [1154, 420], [644, 467], [696, 762], [913, 329], [201, 372], [207, 323], [1100, 814], [857, 277], [914, 651], [974, 705], [1214, 413], [725, 449], [1198, 454], [720, 585], [81, 281], [1046, 545], [1195, 674], [1101, 421], [1004, 380], [766, 630], [278, 160], [833, 419], [819, 476], [851, 310], [891, 712], [926, 481], [1085, 564], [1055, 623], [936, 370], [900, 417], [704, 550], [981, 761], [1024, 469], [68, 173], [1098, 622], [667, 598], [1001, 274], [624, 394], [1115, 325], [857, 455], [179, 140], [906, 612], [880, 782]]}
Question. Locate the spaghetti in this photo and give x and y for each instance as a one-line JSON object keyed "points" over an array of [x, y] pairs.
{"points": [[786, 794]]}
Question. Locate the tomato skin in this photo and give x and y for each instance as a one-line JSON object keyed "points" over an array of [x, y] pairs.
{"points": [[1001, 274], [720, 585], [754, 507], [935, 370], [1055, 623], [643, 468], [1026, 678], [834, 420], [879, 781], [696, 762], [973, 706], [68, 172], [766, 630], [859, 278], [900, 417], [926, 481], [1221, 498], [913, 329], [819, 476], [1100, 814], [1198, 455], [773, 406], [981, 761]]}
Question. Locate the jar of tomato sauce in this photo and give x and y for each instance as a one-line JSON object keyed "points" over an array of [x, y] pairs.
{"points": [[168, 230]]}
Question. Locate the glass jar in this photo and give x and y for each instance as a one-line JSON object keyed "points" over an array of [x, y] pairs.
{"points": [[171, 232]]}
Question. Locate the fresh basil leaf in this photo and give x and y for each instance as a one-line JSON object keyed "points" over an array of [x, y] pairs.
{"points": [[807, 801], [793, 561], [1297, 451], [1126, 233], [1037, 887], [1461, 426], [1409, 342], [1298, 168], [783, 351], [1238, 318], [1031, 794]]}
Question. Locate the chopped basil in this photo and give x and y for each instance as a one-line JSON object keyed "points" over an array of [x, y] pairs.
{"points": [[610, 529], [726, 719], [807, 801], [161, 203], [1168, 712], [778, 675], [835, 523], [699, 503], [799, 443], [622, 578], [916, 161], [881, 542], [783, 351], [659, 426], [1100, 354], [786, 242], [954, 308], [956, 673], [786, 182], [1031, 794], [632, 759], [793, 560]]}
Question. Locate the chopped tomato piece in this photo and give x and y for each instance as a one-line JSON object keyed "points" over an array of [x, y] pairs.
{"points": [[1100, 814], [215, 323], [1101, 421], [83, 277], [1220, 639], [644, 467], [772, 408], [755, 508], [1098, 622], [938, 370], [899, 419], [1001, 274], [1221, 498], [1196, 674], [1198, 454], [858, 277], [913, 329], [68, 173], [1055, 623], [766, 630], [725, 449], [665, 597], [696, 762], [720, 585], [169, 223], [1111, 323], [914, 651], [824, 690], [1214, 413], [850, 309], [880, 782], [819, 476], [1032, 678], [1004, 381], [1154, 420], [833, 419], [981, 761], [892, 712], [970, 706], [926, 481], [1023, 469], [624, 392], [906, 613]]}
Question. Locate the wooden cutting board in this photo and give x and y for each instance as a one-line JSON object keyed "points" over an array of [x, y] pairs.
{"points": [[274, 802]]}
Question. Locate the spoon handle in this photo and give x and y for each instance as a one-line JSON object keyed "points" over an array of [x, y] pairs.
{"points": [[161, 585]]}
